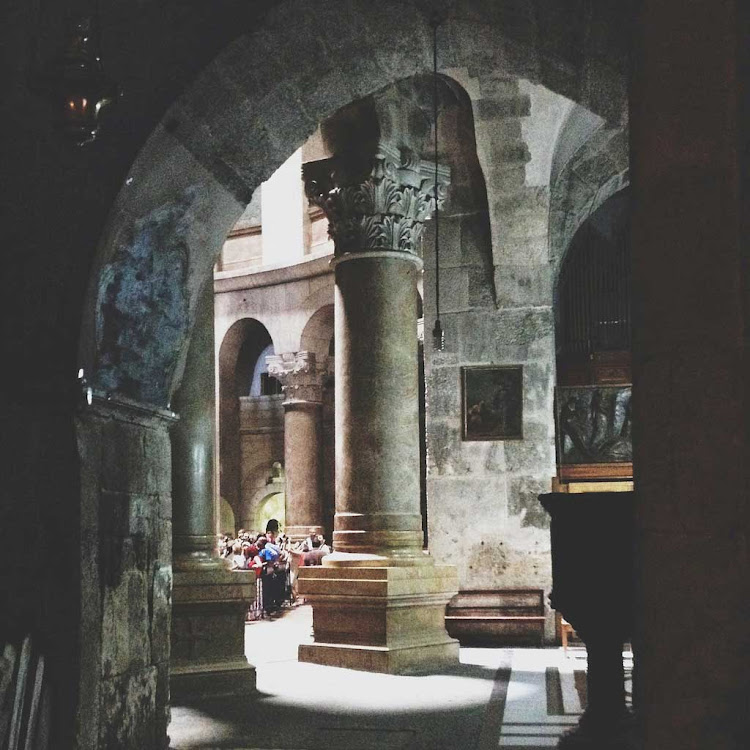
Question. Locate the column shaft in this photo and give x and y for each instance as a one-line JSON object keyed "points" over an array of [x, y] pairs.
{"points": [[301, 376], [209, 601], [377, 409], [193, 446], [302, 463]]}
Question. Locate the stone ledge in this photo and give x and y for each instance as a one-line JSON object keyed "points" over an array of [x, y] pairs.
{"points": [[422, 658], [218, 678]]}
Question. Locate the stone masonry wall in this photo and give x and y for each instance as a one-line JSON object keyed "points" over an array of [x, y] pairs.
{"points": [[483, 512], [126, 576]]}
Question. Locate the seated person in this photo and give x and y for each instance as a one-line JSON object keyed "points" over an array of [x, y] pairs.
{"points": [[319, 550]]}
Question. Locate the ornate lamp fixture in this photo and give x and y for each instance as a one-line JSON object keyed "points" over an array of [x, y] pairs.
{"points": [[76, 83], [438, 335]]}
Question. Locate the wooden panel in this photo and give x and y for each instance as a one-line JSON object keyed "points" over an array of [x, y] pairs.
{"points": [[596, 471]]}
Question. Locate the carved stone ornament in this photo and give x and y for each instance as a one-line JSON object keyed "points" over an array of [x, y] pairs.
{"points": [[300, 375], [376, 204]]}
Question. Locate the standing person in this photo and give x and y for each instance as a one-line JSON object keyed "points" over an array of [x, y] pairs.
{"points": [[269, 554]]}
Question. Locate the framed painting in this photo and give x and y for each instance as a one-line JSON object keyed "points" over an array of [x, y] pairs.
{"points": [[492, 402], [593, 427]]}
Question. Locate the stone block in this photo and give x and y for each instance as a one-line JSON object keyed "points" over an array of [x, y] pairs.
{"points": [[517, 105], [538, 392], [158, 464], [483, 335], [532, 454], [523, 494], [126, 633], [124, 458], [521, 285], [284, 118], [444, 454], [161, 613], [163, 542], [128, 711], [444, 392], [476, 239], [481, 287]]}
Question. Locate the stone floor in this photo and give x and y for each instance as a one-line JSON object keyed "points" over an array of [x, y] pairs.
{"points": [[496, 698]]}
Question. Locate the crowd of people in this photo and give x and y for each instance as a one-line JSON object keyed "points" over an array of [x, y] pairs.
{"points": [[274, 559]]}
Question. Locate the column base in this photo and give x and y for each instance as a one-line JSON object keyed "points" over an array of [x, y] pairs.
{"points": [[208, 633], [209, 679], [379, 619]]}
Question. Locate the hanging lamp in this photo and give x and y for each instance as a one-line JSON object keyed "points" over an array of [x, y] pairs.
{"points": [[438, 335], [76, 83]]}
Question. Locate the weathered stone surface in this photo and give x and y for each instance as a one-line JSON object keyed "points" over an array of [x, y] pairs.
{"points": [[121, 464], [483, 334], [532, 453], [524, 493], [159, 465], [126, 625], [521, 285], [128, 709], [160, 613], [444, 391]]}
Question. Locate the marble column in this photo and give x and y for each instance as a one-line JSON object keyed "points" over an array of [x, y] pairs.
{"points": [[691, 411], [208, 600], [301, 376], [379, 600]]}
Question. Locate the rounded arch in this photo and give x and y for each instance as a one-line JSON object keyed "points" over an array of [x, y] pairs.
{"points": [[271, 506], [238, 355], [590, 164], [318, 332], [186, 189], [593, 297]]}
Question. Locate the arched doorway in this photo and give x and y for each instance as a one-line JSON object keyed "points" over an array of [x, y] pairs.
{"points": [[242, 374]]}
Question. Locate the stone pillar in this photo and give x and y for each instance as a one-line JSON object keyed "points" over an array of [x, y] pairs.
{"points": [[690, 371], [379, 600], [302, 380], [209, 601]]}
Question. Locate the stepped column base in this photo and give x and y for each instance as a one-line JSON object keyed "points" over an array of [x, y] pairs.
{"points": [[380, 618]]}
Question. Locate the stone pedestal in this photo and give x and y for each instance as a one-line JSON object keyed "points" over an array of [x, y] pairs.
{"points": [[209, 600], [208, 633], [379, 619], [302, 379], [379, 600]]}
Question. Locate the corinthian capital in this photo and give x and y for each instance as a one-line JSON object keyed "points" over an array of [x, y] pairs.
{"points": [[300, 375], [380, 203]]}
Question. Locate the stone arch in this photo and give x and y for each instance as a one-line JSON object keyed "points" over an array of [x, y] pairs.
{"points": [[271, 506], [590, 164], [193, 177], [240, 347], [318, 332], [593, 286]]}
